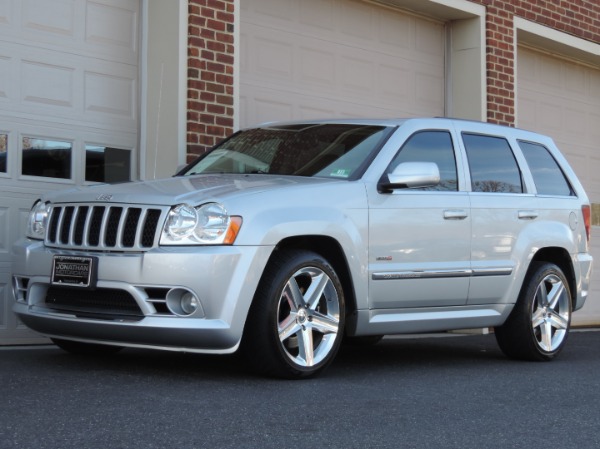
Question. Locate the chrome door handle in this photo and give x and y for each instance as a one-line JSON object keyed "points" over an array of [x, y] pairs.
{"points": [[528, 214], [455, 214]]}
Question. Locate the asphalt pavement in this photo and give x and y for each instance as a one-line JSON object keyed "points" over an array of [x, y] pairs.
{"points": [[443, 391]]}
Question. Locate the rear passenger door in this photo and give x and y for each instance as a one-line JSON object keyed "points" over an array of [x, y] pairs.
{"points": [[501, 209]]}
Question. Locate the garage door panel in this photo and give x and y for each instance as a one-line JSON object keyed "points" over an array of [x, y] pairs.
{"points": [[283, 10], [396, 83], [112, 25], [68, 73], [364, 60], [593, 188], [561, 98], [267, 106], [5, 69], [317, 67], [428, 36], [79, 90], [50, 18], [4, 234], [110, 95], [46, 84], [315, 15], [576, 82], [106, 27], [430, 88]]}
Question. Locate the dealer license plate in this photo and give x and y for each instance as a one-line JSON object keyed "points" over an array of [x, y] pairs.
{"points": [[74, 271]]}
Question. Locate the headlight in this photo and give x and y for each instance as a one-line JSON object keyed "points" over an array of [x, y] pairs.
{"points": [[37, 222], [209, 224]]}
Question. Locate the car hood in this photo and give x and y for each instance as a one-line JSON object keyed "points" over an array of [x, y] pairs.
{"points": [[189, 189]]}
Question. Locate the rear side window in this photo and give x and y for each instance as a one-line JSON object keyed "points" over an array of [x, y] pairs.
{"points": [[430, 146], [547, 175], [492, 164]]}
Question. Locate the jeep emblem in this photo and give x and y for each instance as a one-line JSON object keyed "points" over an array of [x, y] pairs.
{"points": [[104, 197]]}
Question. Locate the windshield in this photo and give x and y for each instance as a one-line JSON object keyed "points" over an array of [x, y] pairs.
{"points": [[323, 150]]}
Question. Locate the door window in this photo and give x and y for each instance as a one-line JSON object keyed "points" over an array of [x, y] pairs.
{"points": [[430, 146], [492, 164]]}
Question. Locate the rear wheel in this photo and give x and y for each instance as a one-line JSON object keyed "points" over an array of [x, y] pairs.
{"points": [[296, 321], [538, 326], [77, 347]]}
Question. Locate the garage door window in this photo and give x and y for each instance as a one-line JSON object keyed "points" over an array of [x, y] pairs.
{"points": [[47, 158], [107, 164], [547, 175], [3, 153]]}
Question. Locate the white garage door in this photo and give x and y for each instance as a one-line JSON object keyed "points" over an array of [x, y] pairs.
{"points": [[68, 109], [303, 59], [561, 98]]}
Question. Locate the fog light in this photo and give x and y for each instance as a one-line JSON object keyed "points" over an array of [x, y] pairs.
{"points": [[183, 302], [189, 303]]}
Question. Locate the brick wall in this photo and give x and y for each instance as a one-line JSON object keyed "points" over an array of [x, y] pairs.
{"points": [[211, 45], [580, 18], [210, 73]]}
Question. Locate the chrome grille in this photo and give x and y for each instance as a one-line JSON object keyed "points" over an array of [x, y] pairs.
{"points": [[104, 227]]}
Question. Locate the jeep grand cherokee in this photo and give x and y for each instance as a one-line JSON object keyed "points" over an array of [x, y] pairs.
{"points": [[289, 237]]}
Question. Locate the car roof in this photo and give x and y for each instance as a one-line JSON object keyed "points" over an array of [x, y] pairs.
{"points": [[396, 122]]}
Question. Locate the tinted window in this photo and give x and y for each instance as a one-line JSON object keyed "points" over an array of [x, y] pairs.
{"points": [[492, 164], [323, 150], [547, 175], [431, 146]]}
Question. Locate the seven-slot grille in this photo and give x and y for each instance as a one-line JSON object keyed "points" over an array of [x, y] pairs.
{"points": [[104, 227]]}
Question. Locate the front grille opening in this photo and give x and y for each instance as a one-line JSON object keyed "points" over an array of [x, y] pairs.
{"points": [[20, 288], [101, 302], [158, 298], [103, 227], [133, 216], [96, 225]]}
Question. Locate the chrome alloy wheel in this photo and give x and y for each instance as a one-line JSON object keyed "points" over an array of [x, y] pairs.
{"points": [[308, 314], [551, 312]]}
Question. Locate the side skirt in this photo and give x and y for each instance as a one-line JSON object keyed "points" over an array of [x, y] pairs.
{"points": [[432, 319]]}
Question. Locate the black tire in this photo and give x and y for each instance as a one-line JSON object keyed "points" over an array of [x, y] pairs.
{"points": [[293, 331], [538, 326], [80, 348]]}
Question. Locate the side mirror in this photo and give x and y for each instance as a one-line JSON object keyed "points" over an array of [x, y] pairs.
{"points": [[411, 175]]}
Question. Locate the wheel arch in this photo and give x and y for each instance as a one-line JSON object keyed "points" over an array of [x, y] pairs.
{"points": [[331, 250], [561, 258]]}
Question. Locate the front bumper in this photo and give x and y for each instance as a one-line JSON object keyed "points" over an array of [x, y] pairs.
{"points": [[224, 278]]}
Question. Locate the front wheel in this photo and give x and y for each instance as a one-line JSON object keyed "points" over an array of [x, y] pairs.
{"points": [[538, 326], [296, 322]]}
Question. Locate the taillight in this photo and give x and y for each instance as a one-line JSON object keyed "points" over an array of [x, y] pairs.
{"points": [[587, 219]]}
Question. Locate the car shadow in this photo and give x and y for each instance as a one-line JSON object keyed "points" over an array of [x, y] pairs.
{"points": [[398, 354]]}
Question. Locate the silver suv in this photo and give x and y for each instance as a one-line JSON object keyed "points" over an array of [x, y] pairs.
{"points": [[286, 239]]}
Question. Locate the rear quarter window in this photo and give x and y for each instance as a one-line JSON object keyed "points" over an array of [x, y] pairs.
{"points": [[548, 177]]}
